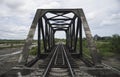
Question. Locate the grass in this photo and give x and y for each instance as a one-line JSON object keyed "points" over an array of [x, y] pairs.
{"points": [[33, 51], [104, 48]]}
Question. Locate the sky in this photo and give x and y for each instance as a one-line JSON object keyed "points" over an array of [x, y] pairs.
{"points": [[16, 16]]}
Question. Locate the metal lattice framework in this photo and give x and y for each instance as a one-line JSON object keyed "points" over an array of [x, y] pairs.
{"points": [[51, 20]]}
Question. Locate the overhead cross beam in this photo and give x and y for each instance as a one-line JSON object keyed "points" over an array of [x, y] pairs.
{"points": [[60, 19]]}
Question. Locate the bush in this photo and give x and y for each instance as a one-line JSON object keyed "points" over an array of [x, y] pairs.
{"points": [[115, 43]]}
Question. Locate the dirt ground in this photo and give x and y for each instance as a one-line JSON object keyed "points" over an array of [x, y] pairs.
{"points": [[112, 61], [9, 50]]}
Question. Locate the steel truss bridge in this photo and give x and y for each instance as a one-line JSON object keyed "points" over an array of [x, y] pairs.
{"points": [[62, 59]]}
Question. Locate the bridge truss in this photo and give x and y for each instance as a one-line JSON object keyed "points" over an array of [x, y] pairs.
{"points": [[48, 22]]}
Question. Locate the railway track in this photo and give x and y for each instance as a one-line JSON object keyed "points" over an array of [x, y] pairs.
{"points": [[60, 64]]}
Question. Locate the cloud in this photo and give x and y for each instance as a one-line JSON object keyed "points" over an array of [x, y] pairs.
{"points": [[13, 31], [51, 5], [17, 15], [114, 19]]}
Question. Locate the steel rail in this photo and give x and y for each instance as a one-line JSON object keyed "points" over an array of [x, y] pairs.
{"points": [[68, 63], [55, 62], [63, 57], [50, 62]]}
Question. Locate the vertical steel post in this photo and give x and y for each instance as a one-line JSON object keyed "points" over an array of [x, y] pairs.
{"points": [[39, 38], [76, 36], [46, 35], [67, 38], [73, 34], [49, 37], [53, 37], [71, 27], [80, 37], [43, 36]]}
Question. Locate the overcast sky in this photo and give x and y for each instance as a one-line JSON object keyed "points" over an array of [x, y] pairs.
{"points": [[16, 15]]}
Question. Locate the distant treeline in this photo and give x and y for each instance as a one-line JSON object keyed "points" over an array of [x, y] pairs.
{"points": [[11, 41], [7, 41]]}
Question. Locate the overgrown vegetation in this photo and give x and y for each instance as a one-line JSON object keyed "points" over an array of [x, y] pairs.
{"points": [[11, 41], [108, 46], [33, 51], [115, 42]]}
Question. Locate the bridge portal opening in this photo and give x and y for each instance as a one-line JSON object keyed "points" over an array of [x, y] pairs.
{"points": [[60, 36]]}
